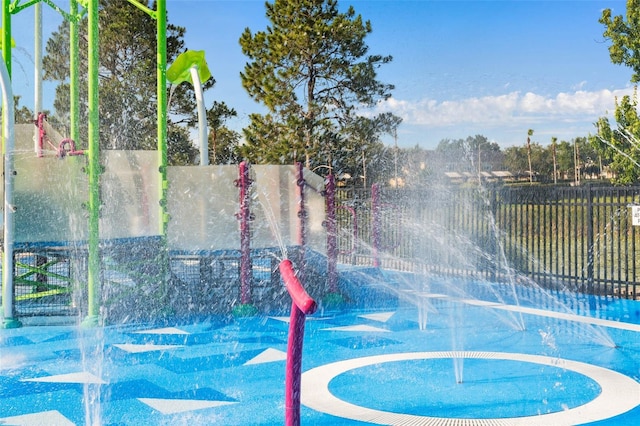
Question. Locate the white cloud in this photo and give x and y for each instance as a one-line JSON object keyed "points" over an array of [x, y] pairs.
{"points": [[580, 85], [505, 109]]}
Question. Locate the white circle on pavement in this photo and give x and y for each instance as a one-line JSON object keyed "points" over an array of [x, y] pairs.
{"points": [[619, 393]]}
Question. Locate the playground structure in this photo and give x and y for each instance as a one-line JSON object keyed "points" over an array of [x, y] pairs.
{"points": [[119, 236], [90, 232], [90, 8], [229, 227]]}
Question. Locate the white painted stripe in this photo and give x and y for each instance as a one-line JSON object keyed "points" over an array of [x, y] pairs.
{"points": [[380, 317], [544, 313], [572, 317], [269, 355], [82, 377], [165, 330], [358, 328], [172, 406], [131, 348], [45, 418]]}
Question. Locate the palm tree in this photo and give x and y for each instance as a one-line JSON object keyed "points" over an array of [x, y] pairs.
{"points": [[529, 134], [555, 163]]}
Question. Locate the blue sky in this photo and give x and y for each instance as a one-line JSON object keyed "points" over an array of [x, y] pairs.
{"points": [[461, 68]]}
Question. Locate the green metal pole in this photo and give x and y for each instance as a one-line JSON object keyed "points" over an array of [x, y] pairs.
{"points": [[93, 281], [161, 21], [6, 34], [73, 72], [37, 59]]}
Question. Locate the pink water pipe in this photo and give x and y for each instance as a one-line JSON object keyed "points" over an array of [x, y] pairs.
{"points": [[66, 146], [301, 306]]}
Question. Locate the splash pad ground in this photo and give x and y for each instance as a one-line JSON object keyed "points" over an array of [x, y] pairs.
{"points": [[371, 364]]}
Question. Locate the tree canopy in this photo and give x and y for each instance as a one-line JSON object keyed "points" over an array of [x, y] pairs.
{"points": [[223, 142], [127, 81], [625, 37], [22, 114], [619, 144], [475, 153], [312, 70]]}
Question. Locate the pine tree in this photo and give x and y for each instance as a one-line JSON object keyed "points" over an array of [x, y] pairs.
{"points": [[223, 142], [312, 70]]}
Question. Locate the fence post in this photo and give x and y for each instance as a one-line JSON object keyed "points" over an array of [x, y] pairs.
{"points": [[590, 240], [375, 219], [332, 238], [245, 234], [494, 233]]}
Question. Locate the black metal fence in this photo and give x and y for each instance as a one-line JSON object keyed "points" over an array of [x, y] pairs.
{"points": [[576, 238], [573, 238]]}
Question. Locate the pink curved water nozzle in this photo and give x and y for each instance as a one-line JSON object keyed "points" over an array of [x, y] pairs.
{"points": [[303, 301], [68, 147]]}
